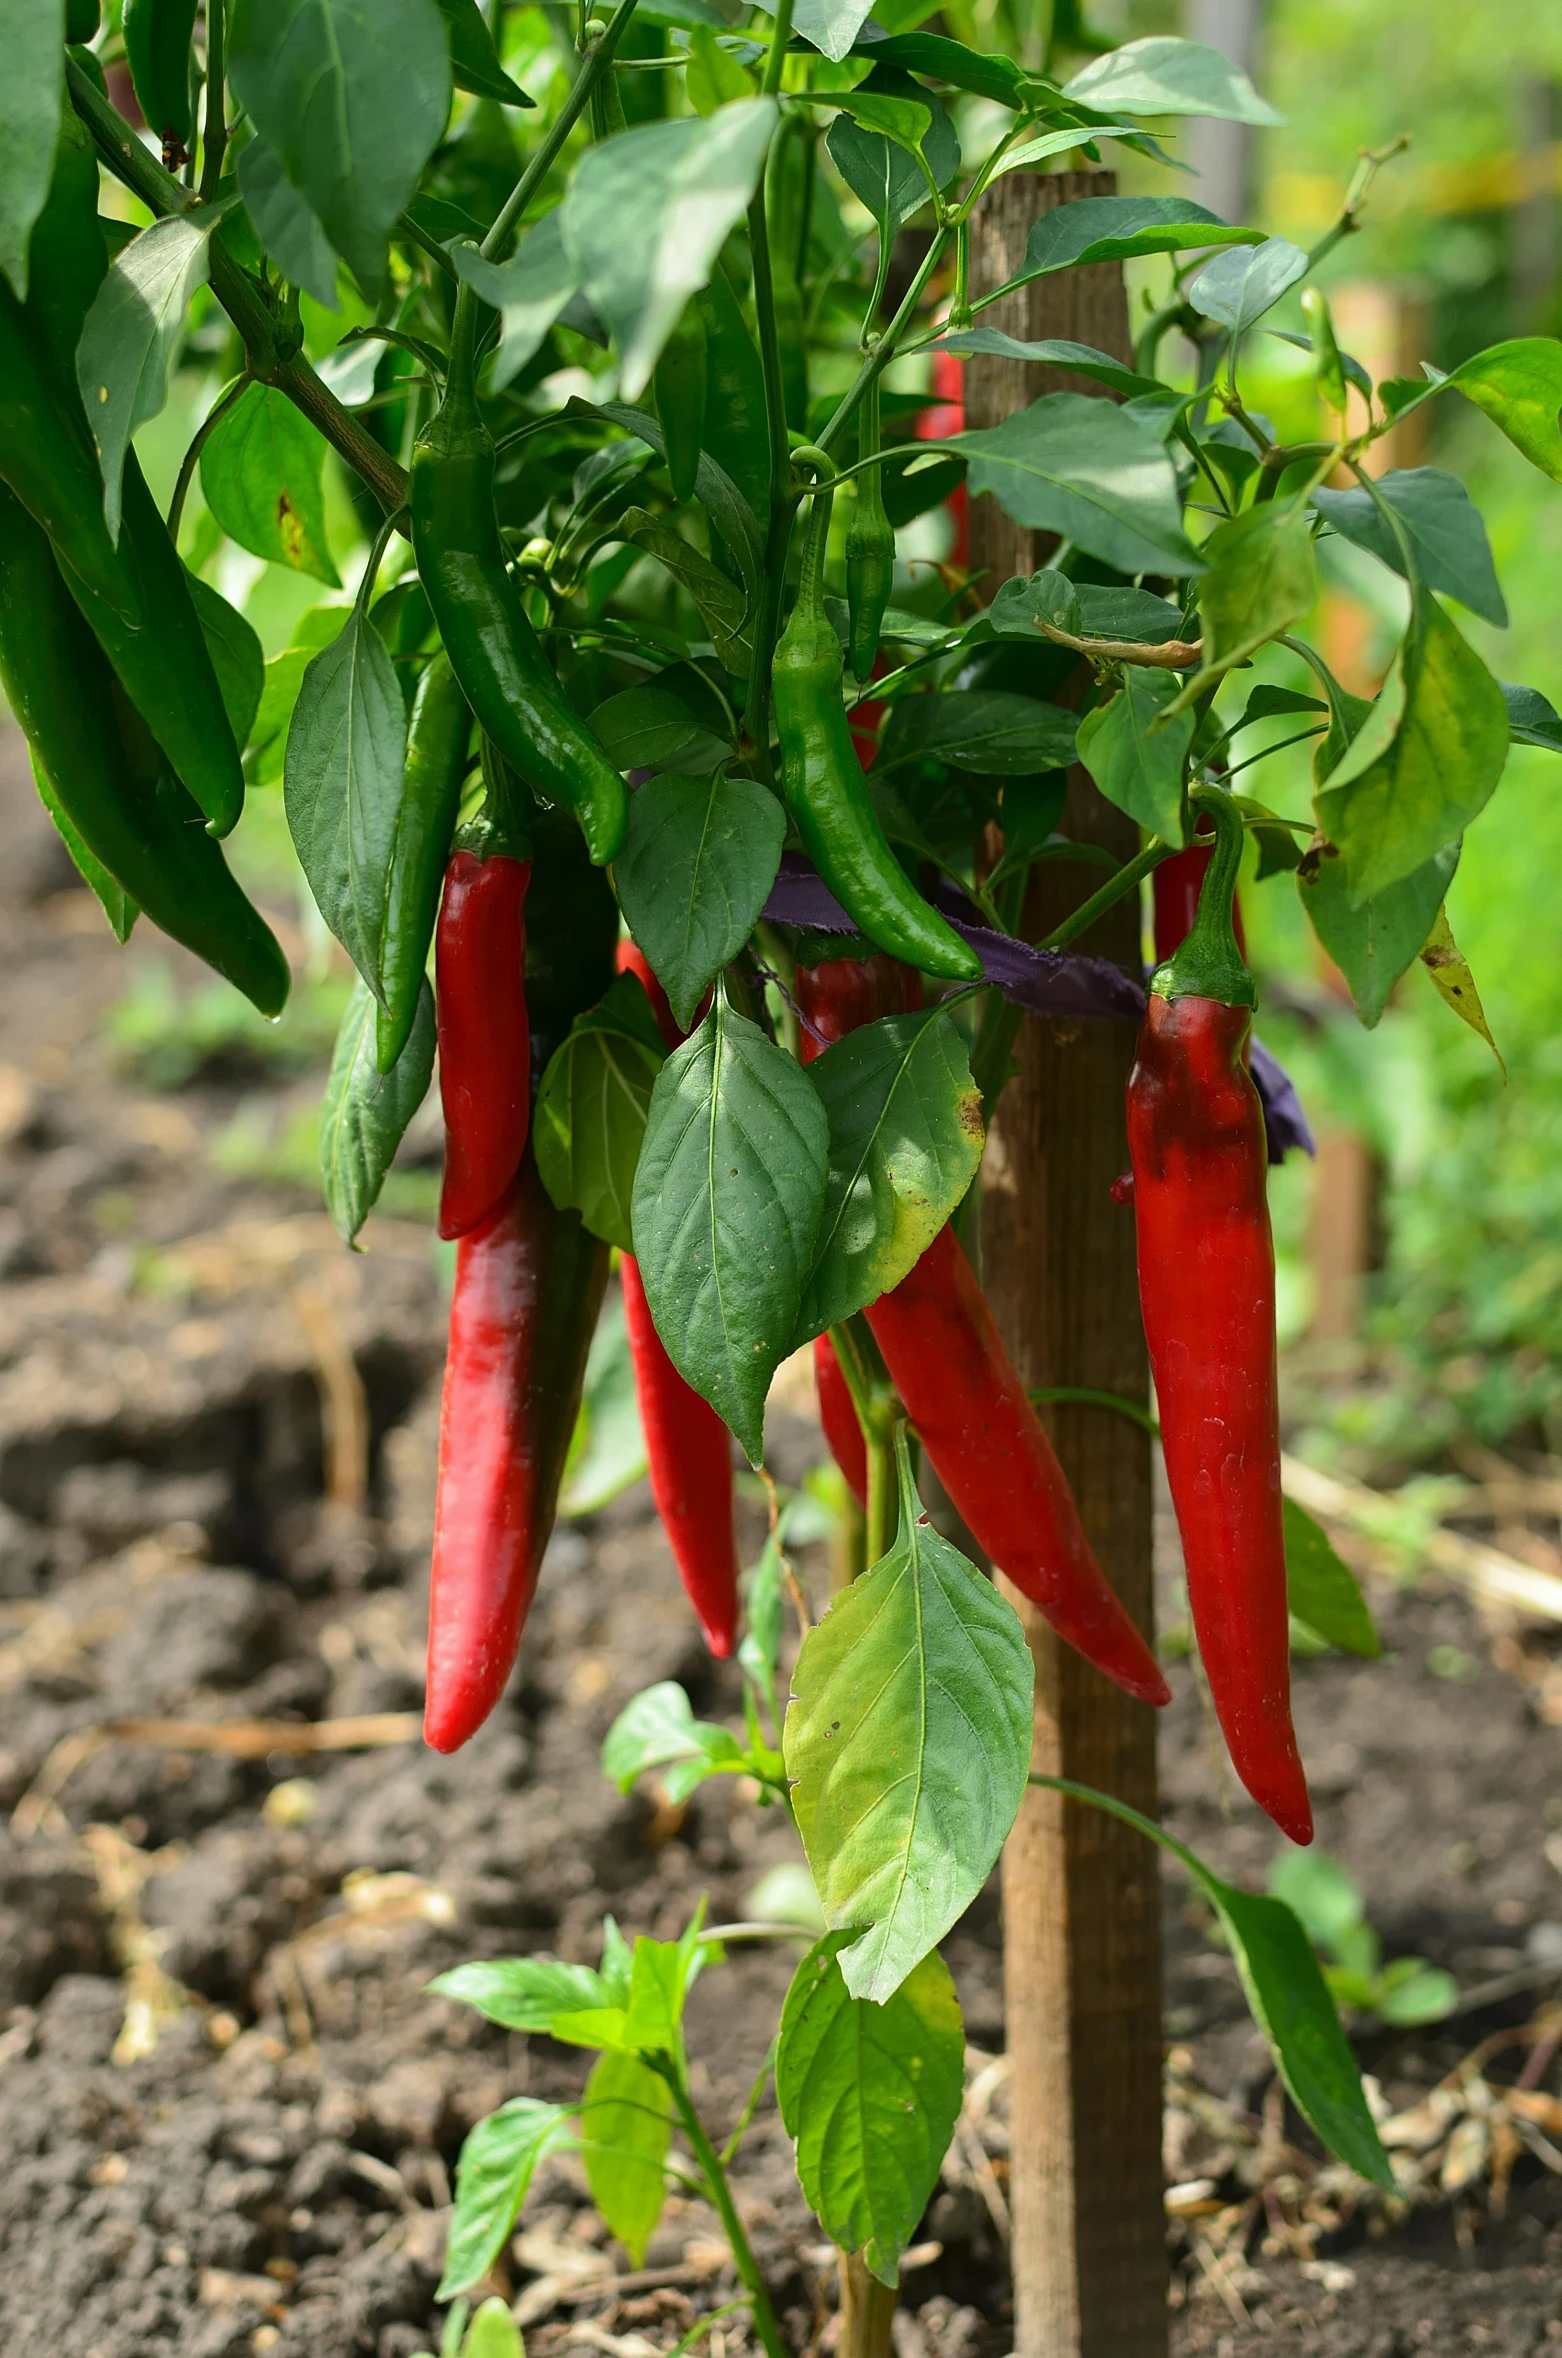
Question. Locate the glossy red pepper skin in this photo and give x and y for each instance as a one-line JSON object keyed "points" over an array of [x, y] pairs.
{"points": [[963, 1393], [631, 959], [1207, 1291], [946, 417], [1175, 887], [689, 1453], [839, 994], [484, 1037], [529, 1283], [838, 1415]]}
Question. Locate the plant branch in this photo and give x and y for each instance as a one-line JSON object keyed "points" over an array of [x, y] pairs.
{"points": [[1371, 164], [715, 2177], [775, 62], [216, 139], [878, 360], [1128, 878], [596, 64]]}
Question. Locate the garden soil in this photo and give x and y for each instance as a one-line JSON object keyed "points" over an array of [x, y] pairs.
{"points": [[229, 2107]]}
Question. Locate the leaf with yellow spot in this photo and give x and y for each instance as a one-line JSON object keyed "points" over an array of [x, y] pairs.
{"points": [[261, 473], [1449, 969]]}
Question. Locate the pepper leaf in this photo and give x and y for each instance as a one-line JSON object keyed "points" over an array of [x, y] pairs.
{"points": [[905, 1143], [523, 1993], [1288, 1996], [1236, 289], [118, 907], [1532, 718], [658, 1730], [721, 603], [1322, 1590], [870, 2096], [237, 658], [351, 96], [1441, 521], [1136, 755], [342, 783], [882, 176], [607, 1447], [727, 1204], [261, 471], [1118, 228], [1376, 942], [1162, 76], [990, 731], [131, 336], [591, 1110], [474, 61], [698, 862], [1396, 799], [908, 1742], [1075, 465], [1262, 577], [365, 1112], [1449, 969], [496, 2167], [30, 101], [1519, 386], [528, 292], [282, 220], [1052, 352], [627, 2120]]}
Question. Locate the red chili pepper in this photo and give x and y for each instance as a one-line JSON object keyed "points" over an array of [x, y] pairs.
{"points": [[1175, 886], [947, 417], [689, 1452], [631, 959], [963, 1393], [1207, 1291], [838, 1415], [484, 1038], [529, 1284], [841, 993]]}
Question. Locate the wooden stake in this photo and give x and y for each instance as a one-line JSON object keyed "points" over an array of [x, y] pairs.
{"points": [[1081, 1912]]}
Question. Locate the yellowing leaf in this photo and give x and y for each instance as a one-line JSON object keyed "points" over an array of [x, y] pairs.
{"points": [[1449, 969]]}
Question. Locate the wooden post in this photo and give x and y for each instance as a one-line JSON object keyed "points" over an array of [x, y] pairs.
{"points": [[1082, 1974]]}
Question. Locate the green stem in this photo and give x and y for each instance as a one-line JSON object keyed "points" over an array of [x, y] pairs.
{"points": [[1128, 877], [1209, 963], [878, 360], [715, 2178], [775, 63], [1074, 1395], [783, 506], [406, 227], [216, 141], [881, 1495], [596, 65], [198, 441]]}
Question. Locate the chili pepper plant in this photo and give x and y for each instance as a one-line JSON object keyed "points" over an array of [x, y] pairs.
{"points": [[715, 820]]}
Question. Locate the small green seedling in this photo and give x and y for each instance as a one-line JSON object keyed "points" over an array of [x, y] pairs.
{"points": [[1405, 1991]]}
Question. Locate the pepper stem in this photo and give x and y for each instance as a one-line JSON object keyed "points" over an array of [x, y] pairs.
{"points": [[816, 534], [1208, 964]]}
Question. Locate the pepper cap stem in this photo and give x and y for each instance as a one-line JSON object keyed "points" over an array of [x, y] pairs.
{"points": [[1208, 964]]}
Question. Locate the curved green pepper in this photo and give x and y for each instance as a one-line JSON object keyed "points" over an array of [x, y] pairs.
{"points": [[108, 777], [870, 549], [157, 51], [735, 432], [681, 399], [437, 742], [828, 794], [493, 649], [49, 463]]}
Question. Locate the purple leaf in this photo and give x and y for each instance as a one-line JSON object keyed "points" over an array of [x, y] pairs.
{"points": [[1284, 1121]]}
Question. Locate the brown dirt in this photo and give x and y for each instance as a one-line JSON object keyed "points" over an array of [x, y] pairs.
{"points": [[229, 2109]]}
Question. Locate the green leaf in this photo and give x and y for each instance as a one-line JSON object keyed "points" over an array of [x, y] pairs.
{"points": [[590, 1114], [727, 1204], [1288, 1997], [870, 2096], [528, 292], [131, 337], [346, 760], [1391, 807], [1374, 943], [261, 471], [647, 213], [722, 605], [1532, 719], [289, 231], [1238, 288], [988, 75], [365, 1112], [905, 1143], [831, 25], [1519, 386], [607, 1447], [990, 731], [714, 74], [118, 907], [1262, 577], [1052, 143], [903, 120], [1168, 77], [1073, 464], [352, 97], [908, 1741], [1410, 1992], [658, 1729], [881, 176], [284, 676], [474, 62], [1052, 352], [647, 728], [1320, 1893], [1136, 763], [1322, 1588], [698, 862], [1453, 981], [495, 2169], [626, 2119], [30, 101], [720, 497], [1448, 538], [493, 2332], [236, 655], [1117, 228], [523, 1993]]}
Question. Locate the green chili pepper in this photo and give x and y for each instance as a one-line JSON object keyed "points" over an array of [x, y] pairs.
{"points": [[437, 744], [48, 462], [139, 604], [82, 18], [788, 199], [157, 50], [107, 776], [735, 432], [680, 383], [493, 649], [828, 794], [870, 548]]}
